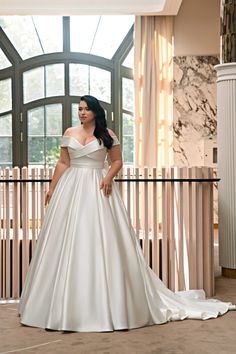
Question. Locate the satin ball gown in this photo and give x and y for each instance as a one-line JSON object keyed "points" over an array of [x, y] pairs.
{"points": [[88, 272]]}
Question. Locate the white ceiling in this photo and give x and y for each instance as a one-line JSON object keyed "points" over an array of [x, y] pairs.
{"points": [[89, 7]]}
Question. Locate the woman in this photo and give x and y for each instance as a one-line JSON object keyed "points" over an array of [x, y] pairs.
{"points": [[88, 272]]}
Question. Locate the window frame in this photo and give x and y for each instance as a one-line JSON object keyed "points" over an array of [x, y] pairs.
{"points": [[19, 66]]}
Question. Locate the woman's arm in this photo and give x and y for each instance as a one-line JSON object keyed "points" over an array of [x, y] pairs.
{"points": [[115, 156], [62, 164]]}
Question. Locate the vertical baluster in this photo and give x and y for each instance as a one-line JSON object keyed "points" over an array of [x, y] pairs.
{"points": [[155, 238], [211, 227], [42, 194], [175, 227], [141, 207], [165, 229], [186, 228], [180, 270], [25, 224], [120, 184], [146, 217], [4, 237], [1, 230], [150, 219], [191, 222], [16, 233], [124, 186], [137, 225], [208, 233], [172, 241], [159, 219], [193, 235], [38, 216], [8, 236], [132, 197], [34, 216], [199, 237], [128, 193]]}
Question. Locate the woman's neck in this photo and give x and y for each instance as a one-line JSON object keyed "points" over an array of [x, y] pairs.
{"points": [[88, 128]]}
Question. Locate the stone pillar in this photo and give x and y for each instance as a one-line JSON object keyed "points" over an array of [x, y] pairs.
{"points": [[226, 136]]}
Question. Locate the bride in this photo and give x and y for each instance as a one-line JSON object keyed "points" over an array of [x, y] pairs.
{"points": [[88, 272]]}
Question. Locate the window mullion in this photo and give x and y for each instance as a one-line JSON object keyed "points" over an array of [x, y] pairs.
{"points": [[66, 34]]}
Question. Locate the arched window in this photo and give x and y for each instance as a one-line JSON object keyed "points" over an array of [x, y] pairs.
{"points": [[46, 64]]}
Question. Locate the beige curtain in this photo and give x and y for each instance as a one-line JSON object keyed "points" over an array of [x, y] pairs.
{"points": [[153, 76]]}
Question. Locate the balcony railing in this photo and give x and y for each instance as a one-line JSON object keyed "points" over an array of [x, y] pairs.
{"points": [[171, 211]]}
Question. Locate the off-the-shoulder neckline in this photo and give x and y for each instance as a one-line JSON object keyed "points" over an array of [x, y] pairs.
{"points": [[72, 137], [68, 136]]}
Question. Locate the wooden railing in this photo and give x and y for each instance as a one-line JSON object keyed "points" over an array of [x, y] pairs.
{"points": [[171, 212]]}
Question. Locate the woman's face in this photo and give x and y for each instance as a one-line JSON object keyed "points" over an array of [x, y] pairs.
{"points": [[85, 114]]}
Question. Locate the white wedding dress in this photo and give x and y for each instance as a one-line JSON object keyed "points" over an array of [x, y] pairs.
{"points": [[88, 272]]}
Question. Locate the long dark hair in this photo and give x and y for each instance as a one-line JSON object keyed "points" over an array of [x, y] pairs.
{"points": [[100, 130]]}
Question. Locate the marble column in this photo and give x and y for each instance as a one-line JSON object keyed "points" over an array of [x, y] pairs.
{"points": [[226, 136]]}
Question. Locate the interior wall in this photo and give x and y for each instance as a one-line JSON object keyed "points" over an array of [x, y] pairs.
{"points": [[197, 28], [196, 52]]}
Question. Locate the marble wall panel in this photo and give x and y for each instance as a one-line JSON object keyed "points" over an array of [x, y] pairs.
{"points": [[195, 123], [194, 108]]}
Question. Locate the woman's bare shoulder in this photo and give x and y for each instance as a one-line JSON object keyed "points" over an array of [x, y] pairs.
{"points": [[71, 131]]}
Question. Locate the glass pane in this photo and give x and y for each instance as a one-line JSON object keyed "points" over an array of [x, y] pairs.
{"points": [[110, 34], [129, 60], [33, 36], [50, 32], [128, 94], [6, 125], [128, 124], [21, 32], [78, 79], [128, 149], [102, 37], [5, 96], [36, 121], [5, 151], [55, 80], [78, 41], [41, 147], [4, 62], [74, 113], [33, 84], [52, 150], [100, 84], [54, 119], [36, 150]]}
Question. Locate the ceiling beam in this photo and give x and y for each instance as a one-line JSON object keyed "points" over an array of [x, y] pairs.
{"points": [[89, 7]]}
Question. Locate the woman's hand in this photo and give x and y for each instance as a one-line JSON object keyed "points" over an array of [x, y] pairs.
{"points": [[48, 196], [106, 184]]}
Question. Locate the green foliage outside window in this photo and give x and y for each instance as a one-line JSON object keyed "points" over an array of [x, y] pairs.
{"points": [[52, 156]]}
